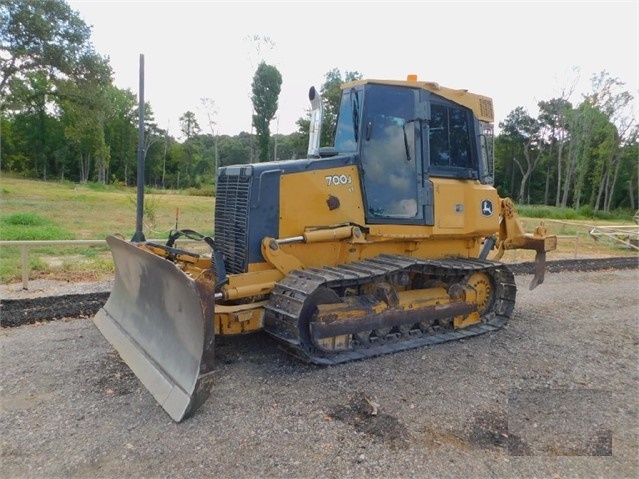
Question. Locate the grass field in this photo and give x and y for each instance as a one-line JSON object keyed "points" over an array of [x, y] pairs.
{"points": [[37, 210]]}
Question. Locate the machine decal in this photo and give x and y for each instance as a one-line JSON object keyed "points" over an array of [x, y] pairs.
{"points": [[334, 180], [487, 208]]}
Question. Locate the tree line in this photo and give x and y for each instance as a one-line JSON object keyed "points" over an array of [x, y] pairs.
{"points": [[63, 118], [584, 155]]}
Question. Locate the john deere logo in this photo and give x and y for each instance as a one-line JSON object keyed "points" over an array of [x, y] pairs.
{"points": [[487, 208]]}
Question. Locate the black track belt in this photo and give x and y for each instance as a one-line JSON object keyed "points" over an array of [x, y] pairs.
{"points": [[282, 317]]}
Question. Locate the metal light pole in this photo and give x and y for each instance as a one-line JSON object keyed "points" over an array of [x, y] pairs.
{"points": [[139, 233]]}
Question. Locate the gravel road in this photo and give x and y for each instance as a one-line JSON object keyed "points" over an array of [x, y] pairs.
{"points": [[555, 395]]}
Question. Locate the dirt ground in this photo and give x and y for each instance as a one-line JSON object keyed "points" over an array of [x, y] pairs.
{"points": [[555, 395]]}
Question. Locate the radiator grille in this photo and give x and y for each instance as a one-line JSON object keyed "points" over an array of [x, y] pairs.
{"points": [[231, 221]]}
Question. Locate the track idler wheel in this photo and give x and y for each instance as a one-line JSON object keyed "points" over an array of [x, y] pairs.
{"points": [[482, 284]]}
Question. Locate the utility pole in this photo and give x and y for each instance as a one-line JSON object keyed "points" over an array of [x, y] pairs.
{"points": [[166, 140], [139, 233]]}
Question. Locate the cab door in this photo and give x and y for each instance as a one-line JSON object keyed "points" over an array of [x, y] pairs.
{"points": [[391, 163]]}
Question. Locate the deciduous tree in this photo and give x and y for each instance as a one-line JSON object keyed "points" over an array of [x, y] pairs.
{"points": [[46, 37], [266, 87], [617, 105], [527, 130]]}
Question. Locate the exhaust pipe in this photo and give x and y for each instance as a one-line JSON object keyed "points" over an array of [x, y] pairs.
{"points": [[317, 116]]}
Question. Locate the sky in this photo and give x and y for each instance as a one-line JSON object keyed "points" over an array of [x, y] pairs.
{"points": [[516, 52]]}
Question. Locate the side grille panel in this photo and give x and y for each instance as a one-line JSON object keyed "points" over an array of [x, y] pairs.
{"points": [[231, 221]]}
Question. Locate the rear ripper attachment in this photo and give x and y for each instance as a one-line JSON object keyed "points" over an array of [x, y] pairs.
{"points": [[387, 304]]}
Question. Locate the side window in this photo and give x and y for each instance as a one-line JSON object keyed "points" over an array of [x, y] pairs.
{"points": [[459, 140], [438, 135], [348, 120], [449, 135]]}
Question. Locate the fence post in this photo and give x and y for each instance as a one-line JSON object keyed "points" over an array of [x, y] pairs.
{"points": [[25, 266]]}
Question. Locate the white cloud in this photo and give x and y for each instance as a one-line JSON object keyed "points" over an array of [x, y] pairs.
{"points": [[518, 53]]}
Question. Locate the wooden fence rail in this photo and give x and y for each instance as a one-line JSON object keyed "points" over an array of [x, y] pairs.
{"points": [[26, 245]]}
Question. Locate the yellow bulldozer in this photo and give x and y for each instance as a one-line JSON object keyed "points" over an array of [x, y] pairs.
{"points": [[377, 244]]}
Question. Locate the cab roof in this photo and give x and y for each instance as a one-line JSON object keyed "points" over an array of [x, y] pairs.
{"points": [[482, 106]]}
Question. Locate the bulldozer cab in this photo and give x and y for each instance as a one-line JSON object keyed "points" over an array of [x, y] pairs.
{"points": [[406, 134]]}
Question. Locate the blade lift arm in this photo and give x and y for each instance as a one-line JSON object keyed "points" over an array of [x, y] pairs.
{"points": [[285, 263]]}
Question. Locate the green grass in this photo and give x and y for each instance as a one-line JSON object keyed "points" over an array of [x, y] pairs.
{"points": [[583, 213], [30, 226], [38, 210]]}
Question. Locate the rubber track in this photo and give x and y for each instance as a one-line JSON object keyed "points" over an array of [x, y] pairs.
{"points": [[288, 297]]}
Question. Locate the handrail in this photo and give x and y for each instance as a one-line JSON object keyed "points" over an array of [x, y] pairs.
{"points": [[52, 242], [26, 244]]}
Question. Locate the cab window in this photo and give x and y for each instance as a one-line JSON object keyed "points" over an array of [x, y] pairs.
{"points": [[388, 153], [449, 136]]}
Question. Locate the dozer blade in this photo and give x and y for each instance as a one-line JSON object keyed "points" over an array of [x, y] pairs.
{"points": [[161, 323]]}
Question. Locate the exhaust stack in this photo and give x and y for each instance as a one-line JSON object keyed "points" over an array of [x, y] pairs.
{"points": [[315, 130]]}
